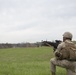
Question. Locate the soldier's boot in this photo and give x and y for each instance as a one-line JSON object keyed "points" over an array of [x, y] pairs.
{"points": [[53, 73]]}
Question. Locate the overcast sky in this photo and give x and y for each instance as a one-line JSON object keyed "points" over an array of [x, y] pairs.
{"points": [[36, 20]]}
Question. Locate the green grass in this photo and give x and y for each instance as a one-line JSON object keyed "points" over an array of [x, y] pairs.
{"points": [[27, 61]]}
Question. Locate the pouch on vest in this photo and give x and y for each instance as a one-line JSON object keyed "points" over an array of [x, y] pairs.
{"points": [[68, 52]]}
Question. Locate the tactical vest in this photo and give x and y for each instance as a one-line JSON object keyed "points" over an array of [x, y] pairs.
{"points": [[68, 52]]}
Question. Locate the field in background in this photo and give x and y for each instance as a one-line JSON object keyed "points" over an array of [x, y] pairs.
{"points": [[27, 61]]}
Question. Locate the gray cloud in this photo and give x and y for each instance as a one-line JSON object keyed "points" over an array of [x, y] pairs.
{"points": [[36, 20]]}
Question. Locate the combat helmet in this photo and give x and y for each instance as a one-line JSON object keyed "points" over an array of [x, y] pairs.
{"points": [[68, 35]]}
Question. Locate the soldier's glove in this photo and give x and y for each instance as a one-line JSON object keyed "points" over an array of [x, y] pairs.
{"points": [[57, 54]]}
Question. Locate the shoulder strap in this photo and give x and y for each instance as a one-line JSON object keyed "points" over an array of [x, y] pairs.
{"points": [[70, 45]]}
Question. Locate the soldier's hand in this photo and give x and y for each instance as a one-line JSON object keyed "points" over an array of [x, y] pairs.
{"points": [[57, 54]]}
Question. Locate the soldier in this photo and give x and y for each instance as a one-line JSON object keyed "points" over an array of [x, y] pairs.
{"points": [[70, 66]]}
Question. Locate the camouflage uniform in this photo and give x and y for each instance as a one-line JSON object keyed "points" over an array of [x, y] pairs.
{"points": [[69, 65]]}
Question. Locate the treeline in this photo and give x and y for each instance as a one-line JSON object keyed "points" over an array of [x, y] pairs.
{"points": [[10, 45], [27, 44]]}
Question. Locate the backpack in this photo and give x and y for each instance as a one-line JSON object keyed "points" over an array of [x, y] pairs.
{"points": [[68, 52]]}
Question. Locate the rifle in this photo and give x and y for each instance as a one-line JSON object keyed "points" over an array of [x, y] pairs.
{"points": [[53, 44]]}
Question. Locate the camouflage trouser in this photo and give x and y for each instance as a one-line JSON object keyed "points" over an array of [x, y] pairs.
{"points": [[70, 66]]}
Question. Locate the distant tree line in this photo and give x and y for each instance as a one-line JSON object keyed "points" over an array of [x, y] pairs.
{"points": [[27, 44]]}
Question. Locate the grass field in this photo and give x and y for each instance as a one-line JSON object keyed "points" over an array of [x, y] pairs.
{"points": [[27, 61]]}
